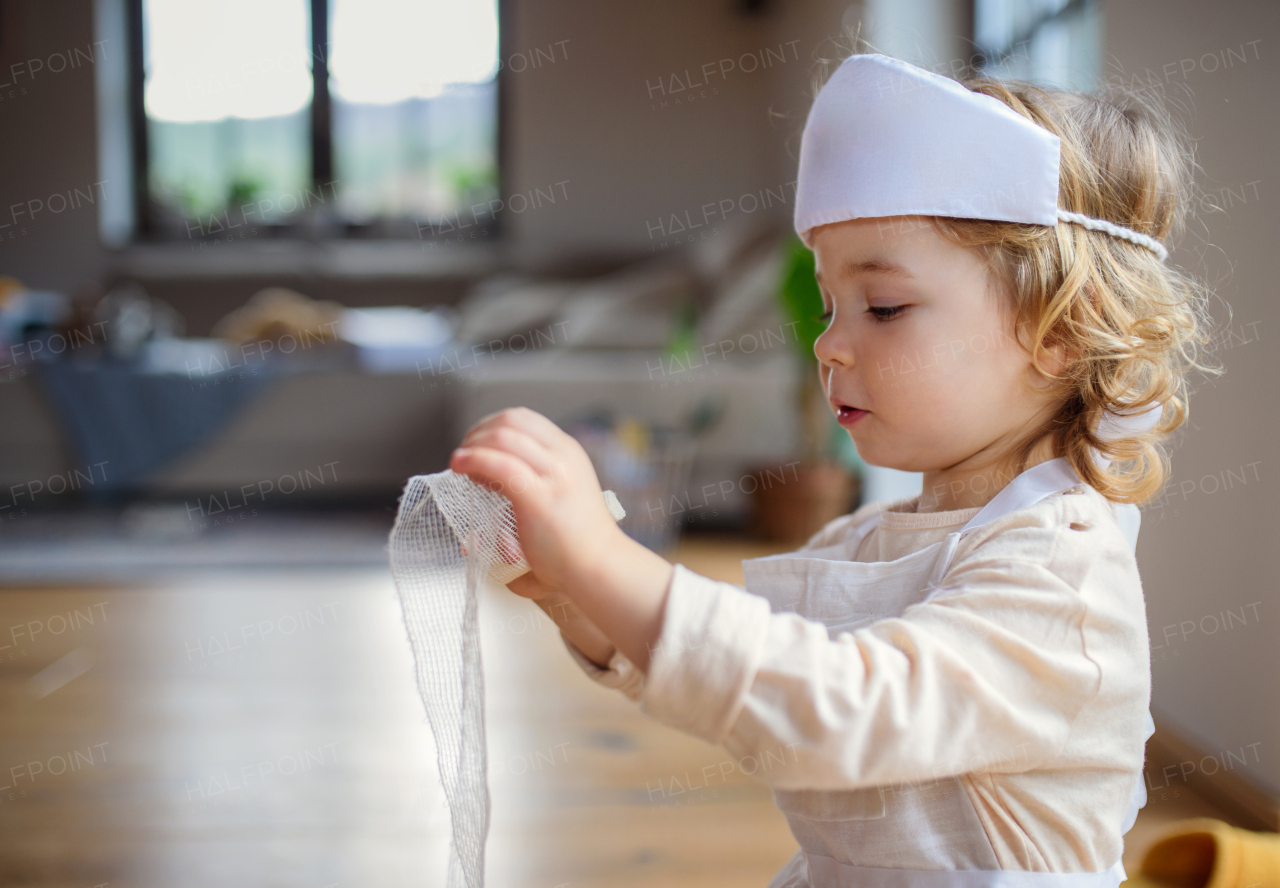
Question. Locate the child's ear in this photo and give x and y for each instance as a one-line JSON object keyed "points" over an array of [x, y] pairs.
{"points": [[1053, 360]]}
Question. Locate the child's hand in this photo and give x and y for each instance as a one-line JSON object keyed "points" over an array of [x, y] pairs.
{"points": [[568, 617], [561, 517], [608, 589]]}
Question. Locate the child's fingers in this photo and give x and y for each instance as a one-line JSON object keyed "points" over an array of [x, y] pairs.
{"points": [[529, 586], [509, 548], [552, 452], [540, 427], [515, 441], [483, 425], [499, 471], [537, 426]]}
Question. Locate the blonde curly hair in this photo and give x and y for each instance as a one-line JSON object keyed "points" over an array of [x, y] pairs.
{"points": [[1132, 327]]}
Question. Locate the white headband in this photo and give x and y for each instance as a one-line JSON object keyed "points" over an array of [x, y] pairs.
{"points": [[885, 138]]}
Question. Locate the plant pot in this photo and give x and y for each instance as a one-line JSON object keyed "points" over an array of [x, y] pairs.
{"points": [[792, 503]]}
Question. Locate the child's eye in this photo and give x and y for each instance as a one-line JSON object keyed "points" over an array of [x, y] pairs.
{"points": [[885, 313], [825, 317]]}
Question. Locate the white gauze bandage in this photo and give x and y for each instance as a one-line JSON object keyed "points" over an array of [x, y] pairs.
{"points": [[885, 138], [441, 516]]}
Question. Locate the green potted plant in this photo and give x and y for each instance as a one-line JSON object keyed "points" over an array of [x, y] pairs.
{"points": [[825, 483]]}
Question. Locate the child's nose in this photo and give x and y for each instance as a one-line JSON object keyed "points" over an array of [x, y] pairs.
{"points": [[833, 349]]}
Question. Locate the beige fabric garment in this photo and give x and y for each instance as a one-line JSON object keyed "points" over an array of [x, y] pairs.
{"points": [[1037, 647]]}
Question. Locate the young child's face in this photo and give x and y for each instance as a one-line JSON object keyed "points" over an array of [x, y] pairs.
{"points": [[917, 345]]}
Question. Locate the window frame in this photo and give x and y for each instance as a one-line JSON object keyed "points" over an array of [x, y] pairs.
{"points": [[320, 145]]}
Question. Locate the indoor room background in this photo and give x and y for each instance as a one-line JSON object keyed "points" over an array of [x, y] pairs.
{"points": [[262, 262]]}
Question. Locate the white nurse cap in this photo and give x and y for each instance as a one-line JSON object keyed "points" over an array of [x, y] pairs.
{"points": [[885, 138]]}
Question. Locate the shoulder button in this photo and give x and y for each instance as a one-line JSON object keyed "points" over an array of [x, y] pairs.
{"points": [[1079, 525]]}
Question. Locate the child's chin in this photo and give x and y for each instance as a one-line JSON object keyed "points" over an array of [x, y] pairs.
{"points": [[883, 456]]}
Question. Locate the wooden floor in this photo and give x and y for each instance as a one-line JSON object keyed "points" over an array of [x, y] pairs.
{"points": [[263, 729]]}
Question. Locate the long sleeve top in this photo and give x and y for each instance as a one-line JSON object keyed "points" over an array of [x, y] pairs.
{"points": [[1026, 678]]}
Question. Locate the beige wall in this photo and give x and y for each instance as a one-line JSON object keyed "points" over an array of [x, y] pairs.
{"points": [[1212, 549], [598, 118]]}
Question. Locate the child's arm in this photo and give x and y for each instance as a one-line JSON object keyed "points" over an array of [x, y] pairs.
{"points": [[1037, 636], [593, 650]]}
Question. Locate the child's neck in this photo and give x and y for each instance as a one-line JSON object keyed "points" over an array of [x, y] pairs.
{"points": [[972, 482]]}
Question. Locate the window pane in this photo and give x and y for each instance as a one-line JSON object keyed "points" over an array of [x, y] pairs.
{"points": [[1050, 42], [414, 106], [227, 97]]}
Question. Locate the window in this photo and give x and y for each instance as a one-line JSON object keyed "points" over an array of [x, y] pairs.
{"points": [[330, 117], [1050, 42]]}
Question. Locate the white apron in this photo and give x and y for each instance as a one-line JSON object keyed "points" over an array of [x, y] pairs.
{"points": [[827, 586]]}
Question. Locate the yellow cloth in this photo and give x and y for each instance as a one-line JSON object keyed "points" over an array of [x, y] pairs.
{"points": [[1207, 853]]}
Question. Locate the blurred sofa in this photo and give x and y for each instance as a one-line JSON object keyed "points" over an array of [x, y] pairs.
{"points": [[563, 348]]}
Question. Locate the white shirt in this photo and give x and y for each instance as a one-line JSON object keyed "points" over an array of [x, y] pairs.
{"points": [[1027, 679]]}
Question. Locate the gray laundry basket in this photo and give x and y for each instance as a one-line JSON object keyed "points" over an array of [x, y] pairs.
{"points": [[648, 467]]}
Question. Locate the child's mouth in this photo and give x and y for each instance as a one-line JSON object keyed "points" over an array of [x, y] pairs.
{"points": [[849, 415]]}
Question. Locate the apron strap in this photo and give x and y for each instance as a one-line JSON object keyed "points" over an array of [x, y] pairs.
{"points": [[1026, 490]]}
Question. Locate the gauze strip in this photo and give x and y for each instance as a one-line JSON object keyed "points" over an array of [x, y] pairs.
{"points": [[440, 516]]}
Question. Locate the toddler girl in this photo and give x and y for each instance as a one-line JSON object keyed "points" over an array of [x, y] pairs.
{"points": [[957, 684]]}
